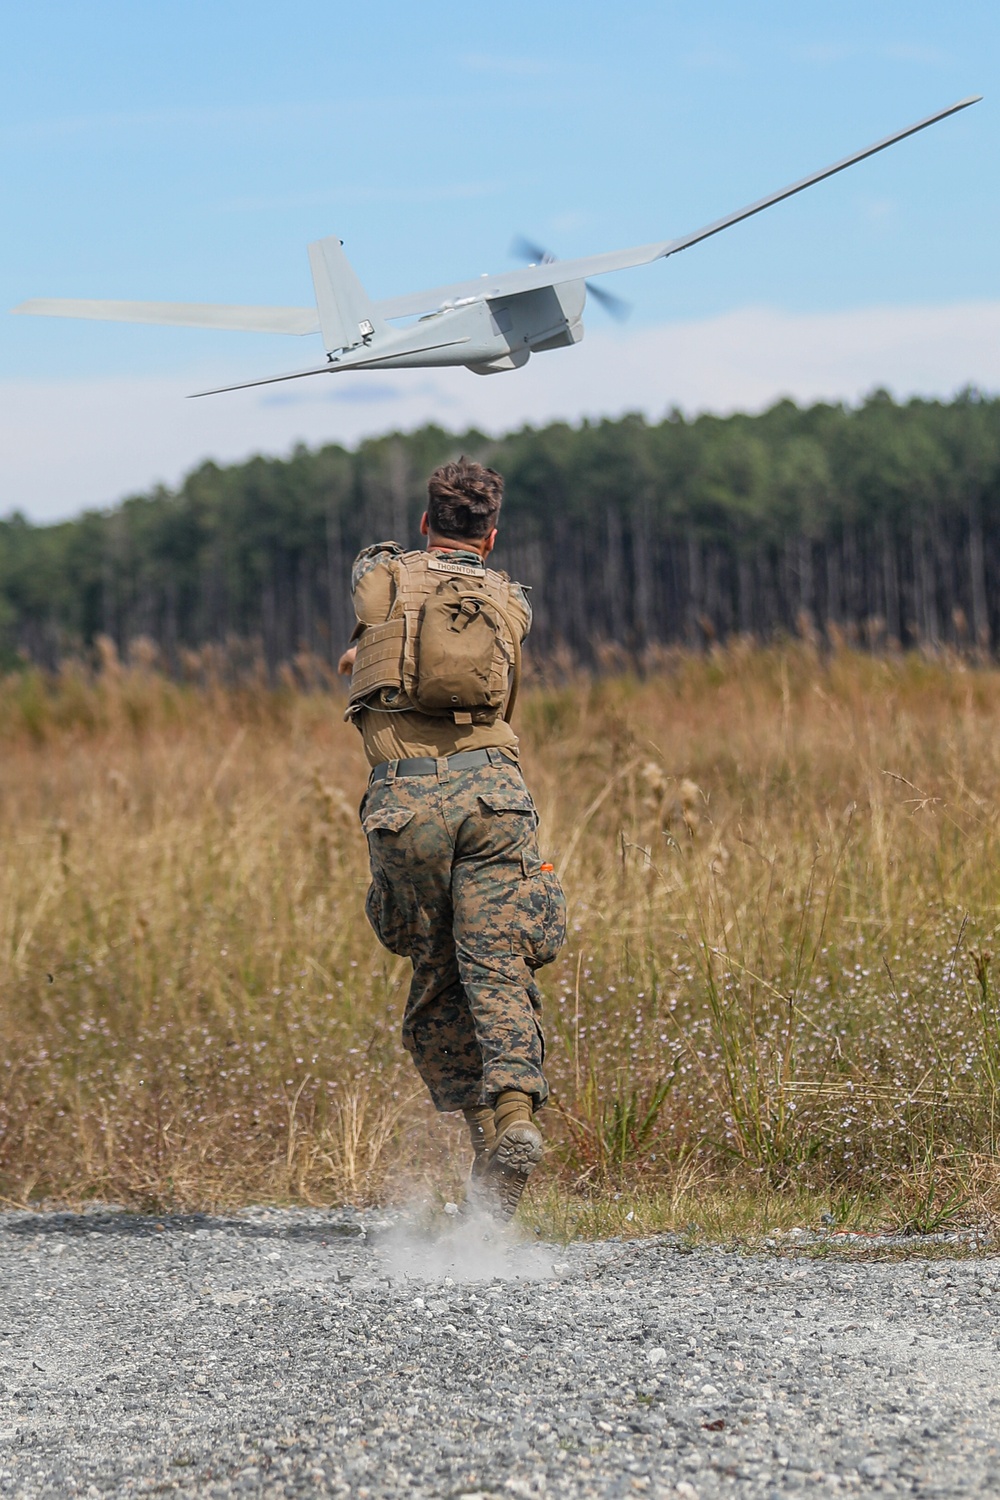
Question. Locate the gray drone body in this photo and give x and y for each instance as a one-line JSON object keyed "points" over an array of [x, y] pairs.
{"points": [[489, 325]]}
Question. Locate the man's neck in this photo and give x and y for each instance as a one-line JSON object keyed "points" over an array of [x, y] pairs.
{"points": [[449, 544]]}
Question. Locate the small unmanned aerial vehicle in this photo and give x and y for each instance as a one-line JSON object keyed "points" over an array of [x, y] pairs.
{"points": [[490, 324]]}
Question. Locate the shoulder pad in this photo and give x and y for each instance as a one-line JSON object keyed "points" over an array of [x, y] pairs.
{"points": [[370, 557], [393, 548]]}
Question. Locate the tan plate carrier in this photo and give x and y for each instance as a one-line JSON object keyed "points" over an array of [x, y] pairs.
{"points": [[388, 655]]}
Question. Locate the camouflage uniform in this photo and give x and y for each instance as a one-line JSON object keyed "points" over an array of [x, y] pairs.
{"points": [[458, 887]]}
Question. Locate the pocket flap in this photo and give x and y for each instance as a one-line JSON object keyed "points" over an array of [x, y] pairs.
{"points": [[387, 820], [507, 799]]}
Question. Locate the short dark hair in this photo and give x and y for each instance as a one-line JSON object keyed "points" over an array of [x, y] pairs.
{"points": [[463, 499]]}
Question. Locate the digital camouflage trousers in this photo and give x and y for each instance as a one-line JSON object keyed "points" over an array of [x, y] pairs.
{"points": [[458, 887]]}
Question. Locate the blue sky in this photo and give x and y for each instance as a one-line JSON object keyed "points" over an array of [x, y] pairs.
{"points": [[191, 150]]}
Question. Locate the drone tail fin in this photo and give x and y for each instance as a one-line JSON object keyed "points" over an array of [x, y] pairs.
{"points": [[347, 316]]}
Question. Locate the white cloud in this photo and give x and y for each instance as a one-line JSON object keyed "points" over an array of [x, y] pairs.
{"points": [[71, 444]]}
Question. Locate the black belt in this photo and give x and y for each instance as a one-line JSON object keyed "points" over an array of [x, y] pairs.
{"points": [[426, 765]]}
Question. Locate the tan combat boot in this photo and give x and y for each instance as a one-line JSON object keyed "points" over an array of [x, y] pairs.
{"points": [[482, 1134], [512, 1157]]}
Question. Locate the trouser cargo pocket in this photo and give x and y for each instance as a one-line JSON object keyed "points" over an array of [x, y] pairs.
{"points": [[543, 912], [391, 926], [390, 905]]}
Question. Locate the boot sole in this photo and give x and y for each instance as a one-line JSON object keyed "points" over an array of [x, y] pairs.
{"points": [[519, 1149], [512, 1161]]}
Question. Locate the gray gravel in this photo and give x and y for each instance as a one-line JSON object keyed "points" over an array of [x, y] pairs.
{"points": [[295, 1353]]}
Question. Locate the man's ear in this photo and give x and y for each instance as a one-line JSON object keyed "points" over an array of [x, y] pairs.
{"points": [[425, 525], [490, 542]]}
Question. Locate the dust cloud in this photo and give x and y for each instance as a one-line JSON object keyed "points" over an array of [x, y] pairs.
{"points": [[461, 1247]]}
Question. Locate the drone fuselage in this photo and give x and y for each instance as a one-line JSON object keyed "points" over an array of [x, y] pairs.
{"points": [[486, 335]]}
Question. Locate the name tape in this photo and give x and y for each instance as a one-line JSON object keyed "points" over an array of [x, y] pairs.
{"points": [[438, 565]]}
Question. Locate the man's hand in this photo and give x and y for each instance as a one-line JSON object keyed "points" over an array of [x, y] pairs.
{"points": [[345, 665]]}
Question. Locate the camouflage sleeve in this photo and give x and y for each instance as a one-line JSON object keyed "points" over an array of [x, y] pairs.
{"points": [[372, 585], [372, 557], [519, 596]]}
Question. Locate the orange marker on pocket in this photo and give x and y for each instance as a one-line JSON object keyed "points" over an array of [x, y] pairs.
{"points": [[550, 868]]}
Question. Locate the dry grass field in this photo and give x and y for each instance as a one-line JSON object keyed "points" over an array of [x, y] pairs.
{"points": [[777, 999]]}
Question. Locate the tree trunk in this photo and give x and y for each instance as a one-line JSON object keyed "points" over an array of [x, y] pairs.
{"points": [[977, 578]]}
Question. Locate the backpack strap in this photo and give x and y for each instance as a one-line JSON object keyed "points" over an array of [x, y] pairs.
{"points": [[515, 676]]}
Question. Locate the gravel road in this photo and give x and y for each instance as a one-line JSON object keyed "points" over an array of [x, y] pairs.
{"points": [[297, 1353]]}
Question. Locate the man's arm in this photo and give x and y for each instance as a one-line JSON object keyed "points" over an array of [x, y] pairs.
{"points": [[522, 606], [371, 591], [371, 558]]}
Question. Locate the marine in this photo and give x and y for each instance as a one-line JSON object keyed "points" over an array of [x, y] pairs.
{"points": [[457, 882]]}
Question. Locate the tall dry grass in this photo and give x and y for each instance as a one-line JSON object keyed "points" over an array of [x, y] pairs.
{"points": [[783, 879]]}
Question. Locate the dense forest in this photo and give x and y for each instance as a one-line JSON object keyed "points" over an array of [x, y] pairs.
{"points": [[880, 522]]}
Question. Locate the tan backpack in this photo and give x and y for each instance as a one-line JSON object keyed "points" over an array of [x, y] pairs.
{"points": [[449, 642]]}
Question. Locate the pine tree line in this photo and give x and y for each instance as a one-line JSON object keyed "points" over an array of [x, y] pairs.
{"points": [[880, 522]]}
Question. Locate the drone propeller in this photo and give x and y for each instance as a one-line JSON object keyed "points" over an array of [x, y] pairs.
{"points": [[616, 306], [536, 255]]}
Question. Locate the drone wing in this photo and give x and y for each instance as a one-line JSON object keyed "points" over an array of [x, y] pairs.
{"points": [[345, 312], [184, 314], [510, 283], [797, 187]]}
